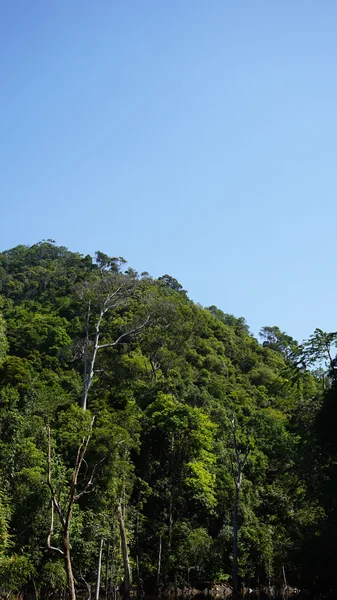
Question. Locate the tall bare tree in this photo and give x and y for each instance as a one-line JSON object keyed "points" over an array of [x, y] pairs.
{"points": [[110, 293], [63, 503]]}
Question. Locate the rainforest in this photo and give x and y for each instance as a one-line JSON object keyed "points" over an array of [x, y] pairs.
{"points": [[149, 445]]}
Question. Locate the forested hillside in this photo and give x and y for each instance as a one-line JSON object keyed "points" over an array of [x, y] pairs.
{"points": [[160, 436]]}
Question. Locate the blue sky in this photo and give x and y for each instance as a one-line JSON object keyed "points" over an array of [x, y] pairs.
{"points": [[194, 138]]}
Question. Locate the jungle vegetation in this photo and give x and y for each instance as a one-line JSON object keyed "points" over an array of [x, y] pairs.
{"points": [[148, 442]]}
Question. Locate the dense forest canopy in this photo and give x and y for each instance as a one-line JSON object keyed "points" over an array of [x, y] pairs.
{"points": [[148, 442]]}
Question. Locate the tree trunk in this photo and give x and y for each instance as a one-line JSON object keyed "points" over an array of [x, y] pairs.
{"points": [[126, 564], [159, 563], [241, 461], [90, 375], [68, 566], [99, 568], [140, 591], [285, 595], [235, 540], [170, 526], [107, 560], [112, 571]]}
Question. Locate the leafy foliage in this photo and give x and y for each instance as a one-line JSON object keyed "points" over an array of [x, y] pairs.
{"points": [[163, 379]]}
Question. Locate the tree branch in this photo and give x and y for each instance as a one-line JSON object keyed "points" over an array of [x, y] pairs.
{"points": [[51, 531], [86, 346], [53, 501], [80, 455], [94, 469], [123, 335]]}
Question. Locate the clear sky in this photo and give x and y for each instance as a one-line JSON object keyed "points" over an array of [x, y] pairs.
{"points": [[195, 138]]}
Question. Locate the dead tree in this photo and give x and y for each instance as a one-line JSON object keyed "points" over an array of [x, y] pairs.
{"points": [[110, 292], [64, 510], [99, 568], [112, 300]]}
